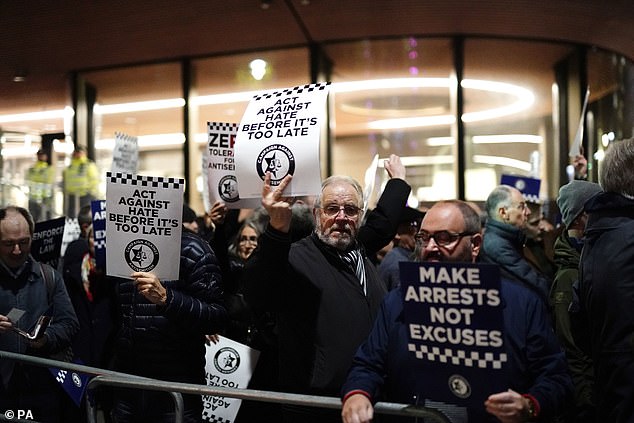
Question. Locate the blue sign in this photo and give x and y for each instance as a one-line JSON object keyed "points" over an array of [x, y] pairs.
{"points": [[455, 325], [98, 208], [529, 187]]}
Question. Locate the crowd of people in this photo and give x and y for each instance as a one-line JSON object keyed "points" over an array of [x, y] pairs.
{"points": [[305, 282]]}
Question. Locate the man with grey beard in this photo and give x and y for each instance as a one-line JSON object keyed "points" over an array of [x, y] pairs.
{"points": [[325, 290]]}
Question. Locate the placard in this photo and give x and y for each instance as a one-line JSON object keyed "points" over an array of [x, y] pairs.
{"points": [[98, 208], [454, 316], [529, 187], [46, 243], [220, 169], [144, 225], [280, 134], [125, 155], [229, 364]]}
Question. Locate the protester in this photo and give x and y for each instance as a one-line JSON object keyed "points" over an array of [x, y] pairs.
{"points": [[571, 200], [606, 276], [37, 290], [81, 182], [504, 237], [163, 332], [383, 367], [324, 288], [540, 241], [40, 179], [403, 247]]}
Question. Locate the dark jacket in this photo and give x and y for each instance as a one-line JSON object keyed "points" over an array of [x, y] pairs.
{"points": [[561, 296], [606, 278], [167, 342], [383, 365], [502, 245], [323, 314]]}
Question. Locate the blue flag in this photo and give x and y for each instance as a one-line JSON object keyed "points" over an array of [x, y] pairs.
{"points": [[74, 383]]}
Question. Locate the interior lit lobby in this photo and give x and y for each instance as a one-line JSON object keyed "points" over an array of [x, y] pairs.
{"points": [[463, 91]]}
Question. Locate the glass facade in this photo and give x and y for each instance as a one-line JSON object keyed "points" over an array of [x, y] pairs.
{"points": [[460, 112]]}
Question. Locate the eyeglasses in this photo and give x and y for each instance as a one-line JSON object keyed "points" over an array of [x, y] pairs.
{"points": [[252, 238], [349, 210], [441, 238], [22, 243]]}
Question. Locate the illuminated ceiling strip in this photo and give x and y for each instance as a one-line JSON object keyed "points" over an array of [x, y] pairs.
{"points": [[49, 114], [505, 139], [145, 141], [423, 160], [502, 161], [139, 106]]}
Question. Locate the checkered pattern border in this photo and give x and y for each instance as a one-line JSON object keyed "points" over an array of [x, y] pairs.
{"points": [[458, 357], [145, 181], [125, 137], [295, 90], [532, 198], [101, 243], [209, 417], [61, 375], [222, 127]]}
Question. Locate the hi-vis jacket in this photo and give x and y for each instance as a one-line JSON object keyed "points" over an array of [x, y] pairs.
{"points": [[81, 177], [40, 179]]}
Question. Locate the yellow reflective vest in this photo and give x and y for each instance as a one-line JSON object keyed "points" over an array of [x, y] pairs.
{"points": [[40, 179], [81, 177]]}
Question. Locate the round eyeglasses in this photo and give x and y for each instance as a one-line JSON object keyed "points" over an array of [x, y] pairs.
{"points": [[441, 238]]}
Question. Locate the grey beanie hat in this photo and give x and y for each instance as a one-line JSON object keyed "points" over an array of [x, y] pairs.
{"points": [[572, 198]]}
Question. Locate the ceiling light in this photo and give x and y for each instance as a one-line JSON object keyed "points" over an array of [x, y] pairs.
{"points": [[265, 4], [502, 161], [258, 69], [139, 106], [508, 138]]}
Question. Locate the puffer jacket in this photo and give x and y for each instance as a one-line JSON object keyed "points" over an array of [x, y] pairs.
{"points": [[167, 342]]}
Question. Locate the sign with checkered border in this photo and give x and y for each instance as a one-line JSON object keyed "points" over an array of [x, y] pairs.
{"points": [[280, 134], [455, 327], [143, 225]]}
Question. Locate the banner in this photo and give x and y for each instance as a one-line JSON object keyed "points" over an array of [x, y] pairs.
{"points": [[125, 155], [143, 225], [280, 133], [46, 244], [220, 170], [529, 187], [453, 312], [98, 208], [229, 365], [74, 383]]}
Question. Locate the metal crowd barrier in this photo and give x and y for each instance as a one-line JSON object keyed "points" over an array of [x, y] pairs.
{"points": [[118, 379]]}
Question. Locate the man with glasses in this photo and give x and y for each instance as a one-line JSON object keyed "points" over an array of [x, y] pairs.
{"points": [[504, 238], [383, 367], [29, 290], [323, 287]]}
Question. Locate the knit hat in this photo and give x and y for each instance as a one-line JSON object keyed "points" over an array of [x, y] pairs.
{"points": [[572, 198]]}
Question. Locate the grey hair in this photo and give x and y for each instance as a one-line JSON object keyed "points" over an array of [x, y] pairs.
{"points": [[617, 171], [500, 196], [341, 179]]}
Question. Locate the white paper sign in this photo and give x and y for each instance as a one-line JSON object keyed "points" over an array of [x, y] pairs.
{"points": [[125, 155], [220, 169], [369, 181], [72, 231], [280, 133], [143, 225], [575, 148], [229, 365]]}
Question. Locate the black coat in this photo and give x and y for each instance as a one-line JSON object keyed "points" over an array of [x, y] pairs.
{"points": [[606, 278], [167, 342]]}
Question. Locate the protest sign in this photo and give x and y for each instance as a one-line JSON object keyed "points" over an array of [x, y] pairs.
{"points": [[72, 231], [279, 134], [453, 314], [220, 170], [529, 187], [98, 208], [369, 182], [125, 155], [575, 147], [46, 244], [143, 225], [229, 364]]}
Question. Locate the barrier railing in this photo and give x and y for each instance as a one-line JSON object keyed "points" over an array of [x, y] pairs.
{"points": [[118, 379]]}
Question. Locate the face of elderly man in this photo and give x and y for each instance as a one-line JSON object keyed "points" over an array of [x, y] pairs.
{"points": [[338, 216]]}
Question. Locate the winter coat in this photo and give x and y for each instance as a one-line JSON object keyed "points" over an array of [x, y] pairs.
{"points": [[606, 277], [167, 341]]}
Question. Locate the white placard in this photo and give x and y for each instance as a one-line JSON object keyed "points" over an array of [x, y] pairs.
{"points": [[72, 231], [575, 148], [369, 181], [229, 364], [143, 225], [125, 155], [280, 133], [220, 170]]}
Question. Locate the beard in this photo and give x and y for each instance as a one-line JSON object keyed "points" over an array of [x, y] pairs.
{"points": [[342, 240]]}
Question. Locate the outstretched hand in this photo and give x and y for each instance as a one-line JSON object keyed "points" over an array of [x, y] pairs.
{"points": [[277, 205], [395, 167]]}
